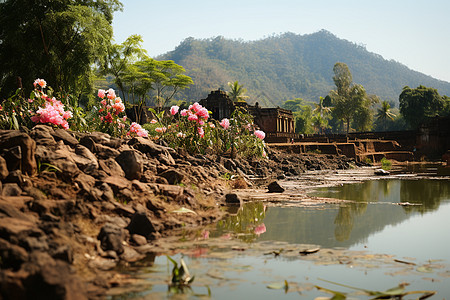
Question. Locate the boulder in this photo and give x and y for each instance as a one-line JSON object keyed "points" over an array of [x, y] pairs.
{"points": [[111, 237], [3, 168], [10, 139], [275, 187], [42, 277], [132, 164], [63, 135], [142, 225], [233, 199], [173, 176]]}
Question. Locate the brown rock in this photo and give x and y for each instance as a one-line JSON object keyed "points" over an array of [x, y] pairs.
{"points": [[63, 135], [11, 189], [111, 237], [132, 164], [10, 139], [3, 168], [173, 176], [275, 187], [111, 167], [141, 224]]}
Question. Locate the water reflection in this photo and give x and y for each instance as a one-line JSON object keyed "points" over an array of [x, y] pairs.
{"points": [[374, 208], [246, 223]]}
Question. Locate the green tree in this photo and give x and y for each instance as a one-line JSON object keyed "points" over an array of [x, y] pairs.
{"points": [[419, 104], [384, 113], [237, 92], [55, 40], [293, 104], [166, 78], [119, 57], [321, 109], [350, 101]]}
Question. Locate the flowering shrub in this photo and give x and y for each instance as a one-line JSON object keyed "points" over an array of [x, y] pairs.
{"points": [[40, 107], [190, 129], [109, 116]]}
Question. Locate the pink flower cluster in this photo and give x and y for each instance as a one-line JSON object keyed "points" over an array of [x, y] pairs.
{"points": [[195, 113], [260, 134], [113, 105], [225, 123], [52, 113], [138, 130]]}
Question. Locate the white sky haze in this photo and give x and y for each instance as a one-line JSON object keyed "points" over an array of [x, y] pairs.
{"points": [[415, 33]]}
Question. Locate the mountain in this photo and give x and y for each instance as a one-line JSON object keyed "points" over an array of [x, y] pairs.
{"points": [[288, 66]]}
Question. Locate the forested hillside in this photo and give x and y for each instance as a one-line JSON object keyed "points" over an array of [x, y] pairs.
{"points": [[290, 66]]}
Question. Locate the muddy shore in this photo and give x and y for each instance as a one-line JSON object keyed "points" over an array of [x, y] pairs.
{"points": [[75, 205]]}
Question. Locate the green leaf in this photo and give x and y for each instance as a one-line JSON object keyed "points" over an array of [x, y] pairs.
{"points": [[183, 210], [425, 269], [336, 295]]}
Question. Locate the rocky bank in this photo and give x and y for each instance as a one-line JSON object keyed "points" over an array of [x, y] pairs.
{"points": [[74, 205]]}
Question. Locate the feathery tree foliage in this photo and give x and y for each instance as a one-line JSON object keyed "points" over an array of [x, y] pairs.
{"points": [[119, 57], [58, 40], [237, 92], [384, 114]]}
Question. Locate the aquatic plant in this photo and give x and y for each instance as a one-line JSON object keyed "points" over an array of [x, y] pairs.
{"points": [[386, 164]]}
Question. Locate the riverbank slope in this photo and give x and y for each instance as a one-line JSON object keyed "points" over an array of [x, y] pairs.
{"points": [[75, 205]]}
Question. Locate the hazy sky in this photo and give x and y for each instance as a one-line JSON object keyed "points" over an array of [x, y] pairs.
{"points": [[415, 33]]}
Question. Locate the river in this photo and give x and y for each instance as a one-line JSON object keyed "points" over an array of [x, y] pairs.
{"points": [[390, 232]]}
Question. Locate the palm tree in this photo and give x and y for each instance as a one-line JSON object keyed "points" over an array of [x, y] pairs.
{"points": [[384, 113], [237, 92]]}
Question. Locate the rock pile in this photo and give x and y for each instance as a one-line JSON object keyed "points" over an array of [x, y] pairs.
{"points": [[78, 203]]}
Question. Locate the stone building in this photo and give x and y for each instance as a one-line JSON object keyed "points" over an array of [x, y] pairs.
{"points": [[277, 123]]}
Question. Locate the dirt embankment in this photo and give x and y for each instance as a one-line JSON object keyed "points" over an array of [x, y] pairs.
{"points": [[74, 205]]}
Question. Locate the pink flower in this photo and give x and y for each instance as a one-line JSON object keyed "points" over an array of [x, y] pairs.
{"points": [[119, 107], [225, 123], [200, 131], [212, 125], [184, 112], [201, 122], [153, 121], [103, 102], [260, 229], [192, 117], [195, 107], [40, 82], [30, 100], [260, 134], [101, 93], [181, 135], [203, 113], [138, 130], [161, 129], [174, 109], [124, 118], [67, 115], [205, 234], [111, 94]]}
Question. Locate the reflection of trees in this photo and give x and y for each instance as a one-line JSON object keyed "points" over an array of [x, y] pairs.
{"points": [[244, 222], [428, 193], [344, 219]]}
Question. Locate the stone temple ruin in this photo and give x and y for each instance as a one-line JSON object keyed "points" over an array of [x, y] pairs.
{"points": [[277, 123]]}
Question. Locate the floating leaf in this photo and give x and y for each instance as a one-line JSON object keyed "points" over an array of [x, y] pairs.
{"points": [[279, 285], [425, 269], [309, 251], [336, 295], [183, 210]]}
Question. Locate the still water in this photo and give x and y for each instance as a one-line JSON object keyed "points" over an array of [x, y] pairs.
{"points": [[390, 232]]}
